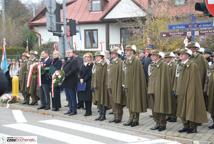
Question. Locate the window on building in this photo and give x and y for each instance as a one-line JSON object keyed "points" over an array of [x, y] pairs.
{"points": [[125, 34], [91, 39], [180, 2], [96, 5]]}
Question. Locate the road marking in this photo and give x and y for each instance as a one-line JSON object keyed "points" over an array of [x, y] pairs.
{"points": [[5, 135], [158, 141], [97, 131], [18, 115], [52, 134]]}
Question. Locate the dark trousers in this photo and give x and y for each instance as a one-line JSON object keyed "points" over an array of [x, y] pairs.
{"points": [[189, 124], [45, 95], [134, 116], [88, 105], [160, 119], [102, 110], [118, 111], [72, 100], [56, 102]]}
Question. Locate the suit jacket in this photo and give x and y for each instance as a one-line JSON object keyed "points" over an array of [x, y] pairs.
{"points": [[71, 74], [46, 77], [55, 65]]}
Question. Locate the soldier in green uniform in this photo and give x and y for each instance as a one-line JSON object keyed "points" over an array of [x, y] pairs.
{"points": [[99, 85], [190, 102], [201, 62], [159, 91], [115, 83], [210, 93], [32, 90], [23, 77], [169, 59], [134, 85]]}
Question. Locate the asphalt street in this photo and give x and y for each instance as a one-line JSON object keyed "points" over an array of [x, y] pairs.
{"points": [[51, 129]]}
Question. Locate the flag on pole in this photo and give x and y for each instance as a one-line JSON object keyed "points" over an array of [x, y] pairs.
{"points": [[4, 64]]}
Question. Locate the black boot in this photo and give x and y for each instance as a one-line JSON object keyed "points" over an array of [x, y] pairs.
{"points": [[192, 130], [129, 123], [211, 127], [183, 130], [102, 118], [98, 118]]}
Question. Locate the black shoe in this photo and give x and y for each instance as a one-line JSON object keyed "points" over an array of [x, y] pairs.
{"points": [[26, 102], [102, 118], [34, 103], [46, 108], [172, 120], [134, 124], [73, 113], [155, 128], [192, 130], [98, 118], [111, 121], [211, 127], [41, 107], [67, 113], [168, 118], [129, 123], [117, 121], [183, 130], [110, 113], [87, 114], [161, 128], [55, 109]]}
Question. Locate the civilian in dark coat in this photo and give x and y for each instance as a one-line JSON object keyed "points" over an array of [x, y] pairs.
{"points": [[85, 77], [56, 65], [70, 83], [80, 103], [146, 61], [46, 82], [3, 83]]}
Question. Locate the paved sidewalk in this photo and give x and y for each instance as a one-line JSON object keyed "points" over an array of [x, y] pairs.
{"points": [[204, 136]]}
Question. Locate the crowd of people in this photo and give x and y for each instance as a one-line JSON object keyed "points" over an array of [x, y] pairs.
{"points": [[178, 84]]}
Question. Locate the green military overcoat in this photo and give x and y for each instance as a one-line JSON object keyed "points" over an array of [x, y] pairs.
{"points": [[191, 105], [203, 65], [115, 77], [159, 85], [23, 78], [172, 72], [99, 84], [136, 85], [210, 93]]}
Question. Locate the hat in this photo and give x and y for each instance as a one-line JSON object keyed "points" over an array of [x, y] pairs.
{"points": [[186, 51], [99, 53], [34, 53], [155, 52], [132, 47], [116, 50], [201, 50], [193, 45], [169, 55], [26, 54]]}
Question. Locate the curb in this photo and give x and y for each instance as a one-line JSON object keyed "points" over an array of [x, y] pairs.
{"points": [[60, 114]]}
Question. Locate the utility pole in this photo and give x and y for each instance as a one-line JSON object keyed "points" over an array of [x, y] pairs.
{"points": [[65, 27], [3, 18]]}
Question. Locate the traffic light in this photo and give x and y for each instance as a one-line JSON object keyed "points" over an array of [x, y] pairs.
{"points": [[53, 17], [72, 26], [201, 6]]}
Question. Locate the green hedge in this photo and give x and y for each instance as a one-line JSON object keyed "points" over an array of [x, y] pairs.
{"points": [[14, 52]]}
